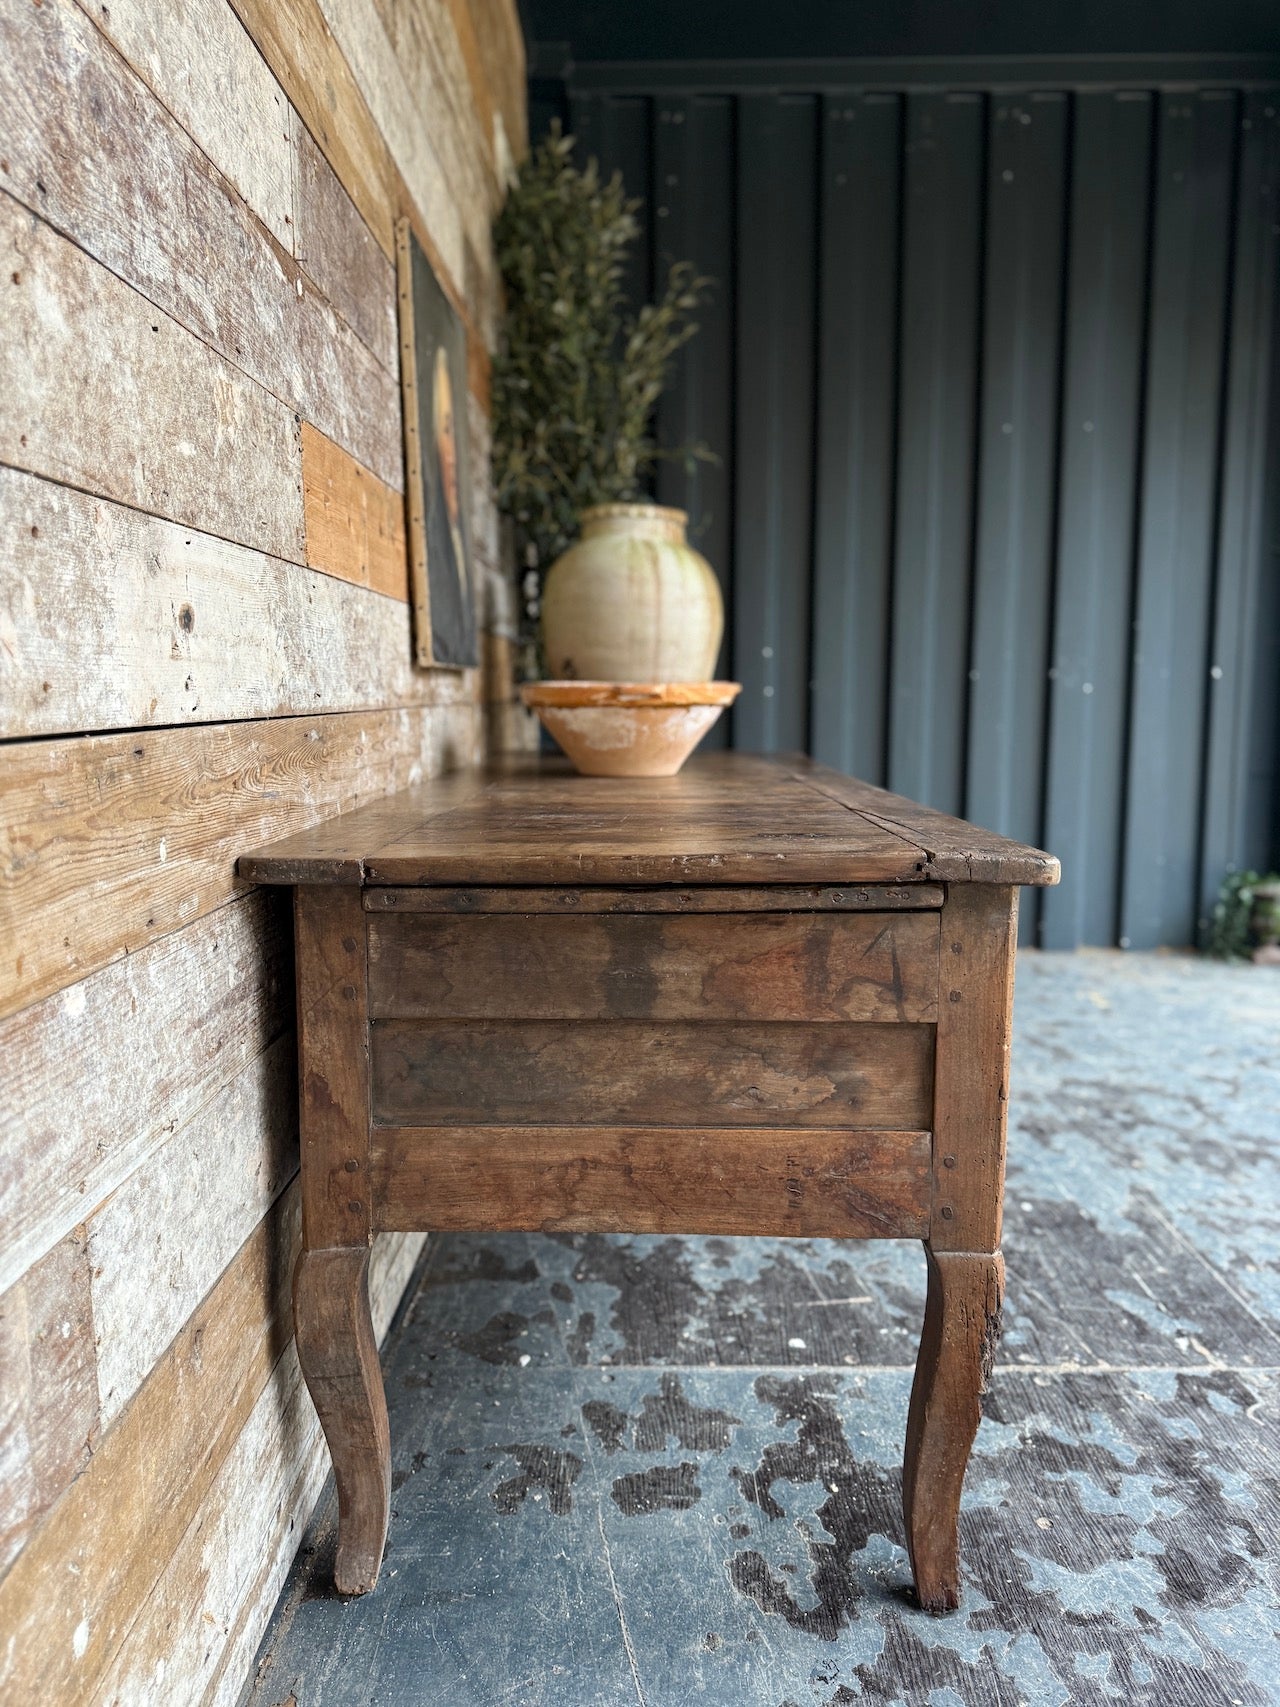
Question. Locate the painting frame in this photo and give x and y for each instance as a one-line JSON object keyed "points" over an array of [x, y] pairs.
{"points": [[433, 379]]}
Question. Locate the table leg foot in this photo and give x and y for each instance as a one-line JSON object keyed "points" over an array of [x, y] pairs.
{"points": [[339, 1358], [961, 1331]]}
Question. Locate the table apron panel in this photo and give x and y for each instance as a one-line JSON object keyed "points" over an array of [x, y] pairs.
{"points": [[825, 966], [790, 1183], [632, 1073]]}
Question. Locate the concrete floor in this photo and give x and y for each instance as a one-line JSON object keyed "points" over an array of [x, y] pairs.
{"points": [[642, 1472]]}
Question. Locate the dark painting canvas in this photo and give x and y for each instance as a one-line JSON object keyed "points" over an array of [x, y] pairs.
{"points": [[433, 355]]}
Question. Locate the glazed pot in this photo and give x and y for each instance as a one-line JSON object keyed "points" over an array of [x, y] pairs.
{"points": [[632, 601]]}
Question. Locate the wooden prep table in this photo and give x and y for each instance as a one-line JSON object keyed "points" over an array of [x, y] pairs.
{"points": [[756, 998]]}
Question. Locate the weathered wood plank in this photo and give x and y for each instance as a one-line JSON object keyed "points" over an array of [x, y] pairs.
{"points": [[159, 1242], [166, 222], [971, 1088], [497, 29], [628, 1073], [772, 966], [199, 1628], [955, 851], [303, 53], [147, 1480], [778, 897], [851, 1185], [300, 49], [338, 250], [333, 1053], [434, 185], [48, 1389], [426, 49], [354, 521], [102, 391], [165, 1030], [110, 842], [112, 619], [198, 60]]}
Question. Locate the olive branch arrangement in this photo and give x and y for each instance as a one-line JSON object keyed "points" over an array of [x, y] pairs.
{"points": [[577, 376]]}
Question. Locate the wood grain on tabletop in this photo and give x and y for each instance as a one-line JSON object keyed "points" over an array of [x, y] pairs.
{"points": [[728, 818], [855, 1185], [956, 851], [634, 1073]]}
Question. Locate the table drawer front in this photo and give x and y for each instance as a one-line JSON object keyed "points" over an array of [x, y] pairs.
{"points": [[630, 1073], [826, 967]]}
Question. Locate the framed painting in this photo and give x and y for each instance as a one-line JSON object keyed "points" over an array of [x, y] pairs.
{"points": [[433, 373]]}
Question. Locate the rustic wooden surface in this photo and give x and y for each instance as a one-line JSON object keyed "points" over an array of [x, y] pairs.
{"points": [[954, 850], [110, 427], [156, 225], [199, 61], [957, 1347], [727, 818], [196, 629], [114, 841], [202, 1003], [778, 897], [354, 522], [796, 1183], [338, 251], [772, 966], [632, 1073]]}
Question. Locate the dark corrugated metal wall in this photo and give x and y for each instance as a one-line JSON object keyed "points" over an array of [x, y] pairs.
{"points": [[988, 377]]}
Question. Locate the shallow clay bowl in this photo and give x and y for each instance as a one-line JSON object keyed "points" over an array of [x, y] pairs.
{"points": [[629, 728]]}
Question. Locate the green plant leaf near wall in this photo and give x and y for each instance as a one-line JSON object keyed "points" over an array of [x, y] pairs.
{"points": [[577, 376]]}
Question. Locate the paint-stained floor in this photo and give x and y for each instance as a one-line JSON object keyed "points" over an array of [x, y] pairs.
{"points": [[644, 1472]]}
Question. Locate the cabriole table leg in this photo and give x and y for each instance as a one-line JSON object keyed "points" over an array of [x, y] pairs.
{"points": [[339, 1358], [961, 1331]]}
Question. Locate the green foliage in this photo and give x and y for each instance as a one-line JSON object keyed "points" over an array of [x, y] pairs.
{"points": [[1230, 935], [576, 378]]}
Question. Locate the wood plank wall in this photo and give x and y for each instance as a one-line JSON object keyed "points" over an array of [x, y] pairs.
{"points": [[204, 643], [987, 372]]}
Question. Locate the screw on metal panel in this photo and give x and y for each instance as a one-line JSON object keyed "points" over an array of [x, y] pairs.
{"points": [[355, 1206], [954, 996], [349, 991], [947, 1212], [947, 1162], [351, 1165]]}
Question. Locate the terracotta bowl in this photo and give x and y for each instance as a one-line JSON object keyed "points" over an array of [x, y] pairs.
{"points": [[629, 728]]}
